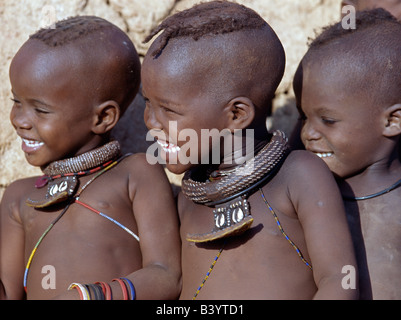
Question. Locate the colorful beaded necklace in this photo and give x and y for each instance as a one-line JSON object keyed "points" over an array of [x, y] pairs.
{"points": [[282, 232], [237, 198], [71, 201], [209, 272]]}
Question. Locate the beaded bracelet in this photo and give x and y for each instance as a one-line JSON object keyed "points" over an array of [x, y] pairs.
{"points": [[131, 287], [83, 292]]}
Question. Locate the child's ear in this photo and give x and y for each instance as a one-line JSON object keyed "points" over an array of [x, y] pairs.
{"points": [[241, 113], [106, 117], [393, 121]]}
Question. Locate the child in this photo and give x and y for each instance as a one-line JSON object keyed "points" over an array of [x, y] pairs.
{"points": [[392, 6], [348, 90], [217, 66], [91, 223]]}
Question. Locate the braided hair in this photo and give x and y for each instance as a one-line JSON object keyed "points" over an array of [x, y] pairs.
{"points": [[210, 18], [71, 29]]}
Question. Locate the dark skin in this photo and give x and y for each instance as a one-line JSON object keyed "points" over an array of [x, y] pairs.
{"points": [[260, 264], [369, 164], [62, 118], [363, 139], [392, 6]]}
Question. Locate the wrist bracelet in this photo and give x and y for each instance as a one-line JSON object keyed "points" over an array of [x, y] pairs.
{"points": [[83, 292], [131, 287], [123, 288]]}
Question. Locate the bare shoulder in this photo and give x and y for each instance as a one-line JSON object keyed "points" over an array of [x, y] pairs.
{"points": [[305, 173], [304, 159], [304, 164], [144, 174], [15, 195], [19, 188], [141, 165]]}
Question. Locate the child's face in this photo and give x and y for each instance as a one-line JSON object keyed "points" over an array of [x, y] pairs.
{"points": [[177, 109], [51, 112], [339, 125]]}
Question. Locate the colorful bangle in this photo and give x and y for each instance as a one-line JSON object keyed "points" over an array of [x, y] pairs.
{"points": [[131, 287], [106, 290], [97, 291], [83, 292], [87, 290], [123, 288]]}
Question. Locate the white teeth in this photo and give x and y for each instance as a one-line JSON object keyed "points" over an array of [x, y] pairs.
{"points": [[324, 155], [32, 143], [168, 147]]}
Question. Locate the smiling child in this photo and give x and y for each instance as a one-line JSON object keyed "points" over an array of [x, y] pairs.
{"points": [[272, 227], [90, 224], [348, 92]]}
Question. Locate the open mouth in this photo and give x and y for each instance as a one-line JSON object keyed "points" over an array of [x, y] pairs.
{"points": [[323, 154], [168, 147], [31, 145]]}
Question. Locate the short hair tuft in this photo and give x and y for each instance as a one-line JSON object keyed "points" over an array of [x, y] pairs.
{"points": [[70, 30], [222, 17]]}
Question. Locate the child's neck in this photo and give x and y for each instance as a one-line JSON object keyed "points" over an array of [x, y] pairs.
{"points": [[375, 178], [84, 161], [245, 147]]}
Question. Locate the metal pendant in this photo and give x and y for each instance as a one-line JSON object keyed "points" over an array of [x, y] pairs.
{"points": [[230, 218], [58, 190]]}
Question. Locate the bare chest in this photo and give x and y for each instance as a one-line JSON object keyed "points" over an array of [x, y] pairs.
{"points": [[73, 240], [376, 230], [259, 264]]}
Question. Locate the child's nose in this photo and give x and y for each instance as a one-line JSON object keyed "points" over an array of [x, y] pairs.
{"points": [[19, 118], [151, 119], [309, 132]]}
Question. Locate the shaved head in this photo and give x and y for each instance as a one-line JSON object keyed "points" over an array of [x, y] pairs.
{"points": [[244, 60], [102, 53], [367, 59]]}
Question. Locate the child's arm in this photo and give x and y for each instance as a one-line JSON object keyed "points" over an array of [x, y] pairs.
{"points": [[320, 209], [11, 244], [156, 215]]}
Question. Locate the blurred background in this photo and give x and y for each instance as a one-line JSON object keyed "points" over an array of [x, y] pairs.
{"points": [[293, 20]]}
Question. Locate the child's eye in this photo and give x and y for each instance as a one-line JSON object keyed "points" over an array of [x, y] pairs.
{"points": [[43, 111], [165, 109], [328, 121], [15, 100]]}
